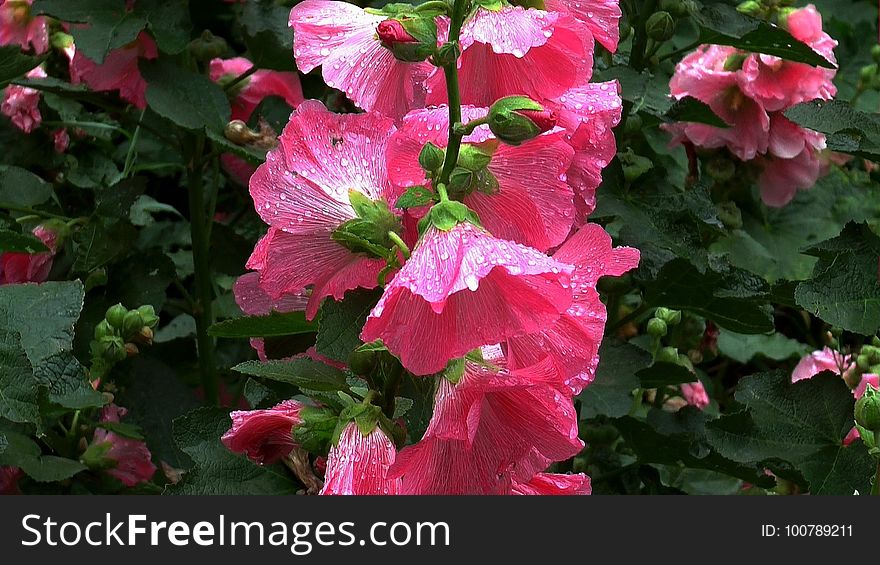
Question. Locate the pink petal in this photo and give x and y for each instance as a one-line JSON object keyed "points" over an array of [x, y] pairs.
{"points": [[265, 436], [781, 178], [254, 301], [600, 16], [550, 484], [119, 71], [19, 27], [260, 85], [822, 360], [359, 464]]}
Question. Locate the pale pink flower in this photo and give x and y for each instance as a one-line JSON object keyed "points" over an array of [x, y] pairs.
{"points": [[264, 436], [9, 477], [491, 431], [302, 192], [262, 84], [16, 268], [600, 16], [341, 38], [550, 484], [19, 27], [695, 394], [359, 464], [462, 289], [533, 204], [823, 360], [119, 71], [517, 51], [133, 464], [22, 104], [572, 342]]}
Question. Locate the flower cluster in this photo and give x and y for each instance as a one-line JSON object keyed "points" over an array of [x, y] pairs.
{"points": [[462, 191], [750, 92]]}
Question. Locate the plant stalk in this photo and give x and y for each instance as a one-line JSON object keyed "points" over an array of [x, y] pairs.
{"points": [[450, 71]]}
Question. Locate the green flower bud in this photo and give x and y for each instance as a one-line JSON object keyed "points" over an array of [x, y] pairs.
{"points": [[668, 355], [730, 215], [875, 53], [867, 411], [207, 46], [671, 317], [867, 73], [148, 314], [678, 8], [103, 329], [782, 17], [751, 8], [864, 362], [363, 362], [111, 348], [431, 157], [660, 26], [875, 341], [132, 323], [115, 315], [472, 158], [515, 119], [657, 327]]}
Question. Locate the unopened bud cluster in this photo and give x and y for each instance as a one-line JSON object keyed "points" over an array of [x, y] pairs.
{"points": [[117, 336]]}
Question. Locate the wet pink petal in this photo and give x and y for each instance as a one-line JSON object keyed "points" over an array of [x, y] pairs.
{"points": [[119, 71], [550, 484], [823, 360], [254, 301], [18, 26], [600, 16], [462, 289], [258, 86], [264, 436], [133, 459], [359, 464], [22, 104]]}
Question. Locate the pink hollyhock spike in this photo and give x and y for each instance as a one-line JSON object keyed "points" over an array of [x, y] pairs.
{"points": [[9, 477], [16, 268], [461, 289], [119, 71], [22, 104], [600, 16], [342, 39], [530, 177], [823, 360], [359, 464], [550, 484], [133, 459], [19, 27], [572, 342], [302, 192], [695, 394], [517, 51], [258, 86], [264, 436], [492, 430]]}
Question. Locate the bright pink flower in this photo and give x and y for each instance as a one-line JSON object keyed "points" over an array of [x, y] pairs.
{"points": [[823, 360], [22, 104], [549, 484], [462, 289], [302, 192], [533, 205], [491, 431], [9, 477], [19, 27], [16, 268], [867, 379], [778, 84], [262, 84], [600, 16], [265, 436], [359, 464], [119, 71], [392, 32], [695, 394], [517, 51], [133, 464], [342, 39]]}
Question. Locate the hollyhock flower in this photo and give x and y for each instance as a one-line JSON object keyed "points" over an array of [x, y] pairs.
{"points": [[823, 360], [262, 84], [858, 392], [302, 192], [600, 16], [9, 477], [572, 342], [254, 301], [549, 484], [119, 71], [19, 27], [491, 431], [778, 84], [60, 140], [264, 436], [695, 394], [532, 206], [792, 163], [22, 104], [16, 268], [358, 464], [131, 458], [462, 289], [517, 51], [342, 39]]}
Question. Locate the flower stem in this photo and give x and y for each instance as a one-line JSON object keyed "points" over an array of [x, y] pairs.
{"points": [[450, 71], [243, 76], [204, 295], [404, 248], [640, 43]]}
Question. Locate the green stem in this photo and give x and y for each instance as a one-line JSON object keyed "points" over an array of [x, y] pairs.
{"points": [[243, 76], [404, 248], [450, 71], [32, 212], [129, 156], [640, 43], [204, 297], [685, 49], [439, 5]]}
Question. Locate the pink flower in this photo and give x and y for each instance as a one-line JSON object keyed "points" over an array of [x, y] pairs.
{"points": [[302, 192], [19, 27], [867, 379], [22, 104], [462, 289], [517, 51], [342, 39], [262, 84], [695, 394], [359, 464], [549, 484], [9, 477], [572, 342], [823, 360], [16, 268], [254, 301], [493, 430], [600, 16], [131, 457], [61, 140], [532, 206], [265, 436], [119, 71]]}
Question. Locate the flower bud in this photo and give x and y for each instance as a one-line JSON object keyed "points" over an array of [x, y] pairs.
{"points": [[864, 362], [131, 350], [730, 215], [391, 32], [657, 327], [671, 317], [660, 26], [103, 329], [668, 355], [208, 46], [515, 119], [875, 53], [363, 362], [750, 8], [472, 158], [148, 315], [867, 73], [867, 411], [411, 40], [132, 323], [111, 348], [677, 8], [431, 157], [115, 315]]}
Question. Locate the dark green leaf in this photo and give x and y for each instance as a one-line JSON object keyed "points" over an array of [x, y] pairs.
{"points": [[664, 374], [611, 392], [169, 22], [190, 100], [19, 187], [14, 63], [342, 322], [744, 348], [123, 429], [301, 372], [273, 325], [21, 451], [20, 242], [267, 35], [692, 110], [847, 130]]}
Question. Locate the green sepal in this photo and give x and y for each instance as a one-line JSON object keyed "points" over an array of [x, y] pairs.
{"points": [[446, 215], [316, 430], [415, 197]]}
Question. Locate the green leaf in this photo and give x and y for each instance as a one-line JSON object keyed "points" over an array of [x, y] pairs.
{"points": [[610, 393], [847, 130], [21, 188], [268, 38], [844, 289], [169, 22], [414, 197], [123, 429], [723, 25], [732, 298], [190, 100], [274, 325], [18, 388], [14, 63], [67, 382], [692, 110], [217, 470], [23, 452], [20, 243], [301, 372], [802, 424], [342, 322], [664, 374], [743, 348]]}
